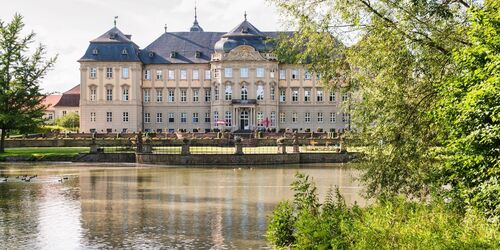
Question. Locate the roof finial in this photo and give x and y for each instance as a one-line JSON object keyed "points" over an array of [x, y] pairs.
{"points": [[245, 15], [116, 17], [165, 28], [195, 14]]}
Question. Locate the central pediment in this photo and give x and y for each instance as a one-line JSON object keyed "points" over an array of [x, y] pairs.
{"points": [[243, 53]]}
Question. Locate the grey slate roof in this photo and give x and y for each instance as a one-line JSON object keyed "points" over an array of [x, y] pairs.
{"points": [[186, 45]]}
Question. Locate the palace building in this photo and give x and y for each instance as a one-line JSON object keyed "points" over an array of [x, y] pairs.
{"points": [[200, 81]]}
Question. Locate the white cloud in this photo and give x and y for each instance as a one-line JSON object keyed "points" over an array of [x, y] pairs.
{"points": [[66, 26]]}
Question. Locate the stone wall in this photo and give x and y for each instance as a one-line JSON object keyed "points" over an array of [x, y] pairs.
{"points": [[109, 157], [222, 159]]}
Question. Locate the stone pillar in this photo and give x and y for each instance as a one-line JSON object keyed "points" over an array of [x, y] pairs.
{"points": [[296, 148], [281, 146], [138, 143], [147, 148], [94, 148], [238, 146], [185, 146], [342, 147]]}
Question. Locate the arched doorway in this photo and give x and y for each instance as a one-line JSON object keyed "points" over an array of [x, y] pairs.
{"points": [[244, 120]]}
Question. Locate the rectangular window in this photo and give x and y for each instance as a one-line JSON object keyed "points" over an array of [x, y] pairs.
{"points": [[294, 117], [320, 117], [171, 75], [346, 117], [332, 96], [109, 116], [228, 118], [260, 92], [92, 116], [64, 113], [207, 95], [295, 95], [216, 118], [93, 73], [333, 117], [207, 75], [125, 117], [345, 97], [125, 73], [307, 95], [282, 95], [147, 117], [93, 93], [260, 119], [109, 72], [109, 94], [196, 95], [159, 117], [244, 72], [307, 117], [147, 74], [282, 117], [171, 95], [183, 74], [195, 118], [147, 95], [282, 74], [125, 95], [272, 93], [319, 95], [171, 117], [207, 117], [260, 72], [196, 74], [273, 119], [228, 93], [307, 75], [295, 74], [228, 72], [159, 75], [216, 93], [159, 95], [183, 117], [271, 73], [183, 95]]}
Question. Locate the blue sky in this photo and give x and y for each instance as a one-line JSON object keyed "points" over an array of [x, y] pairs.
{"points": [[66, 26]]}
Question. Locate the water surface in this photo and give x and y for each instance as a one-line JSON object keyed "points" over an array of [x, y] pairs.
{"points": [[90, 206]]}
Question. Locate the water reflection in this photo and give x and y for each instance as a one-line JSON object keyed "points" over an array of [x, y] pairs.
{"points": [[106, 206]]}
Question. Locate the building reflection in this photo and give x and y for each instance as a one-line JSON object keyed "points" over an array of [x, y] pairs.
{"points": [[195, 208]]}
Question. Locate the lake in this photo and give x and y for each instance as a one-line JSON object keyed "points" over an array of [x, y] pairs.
{"points": [[103, 206]]}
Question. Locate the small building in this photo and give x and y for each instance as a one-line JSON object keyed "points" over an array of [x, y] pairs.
{"points": [[61, 105]]}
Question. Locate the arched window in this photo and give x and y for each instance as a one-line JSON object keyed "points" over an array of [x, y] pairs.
{"points": [[244, 93]]}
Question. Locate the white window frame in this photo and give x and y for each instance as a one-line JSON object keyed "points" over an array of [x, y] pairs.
{"points": [[147, 74], [147, 117], [109, 72], [196, 74], [171, 74], [93, 73], [109, 116], [183, 74], [183, 95], [243, 72], [228, 72], [196, 95], [159, 117], [207, 75], [125, 73], [282, 74], [260, 72], [159, 95], [125, 117], [159, 75], [147, 95]]}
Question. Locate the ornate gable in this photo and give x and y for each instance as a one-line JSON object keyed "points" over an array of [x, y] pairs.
{"points": [[244, 53]]}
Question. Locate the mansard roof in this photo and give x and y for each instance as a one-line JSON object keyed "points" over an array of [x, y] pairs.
{"points": [[113, 45]]}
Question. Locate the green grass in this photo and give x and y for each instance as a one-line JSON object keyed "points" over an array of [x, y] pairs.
{"points": [[44, 152]]}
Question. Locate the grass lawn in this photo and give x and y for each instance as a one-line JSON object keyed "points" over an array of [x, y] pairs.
{"points": [[44, 152]]}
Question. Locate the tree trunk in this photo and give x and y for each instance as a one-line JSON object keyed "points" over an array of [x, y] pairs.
{"points": [[2, 141]]}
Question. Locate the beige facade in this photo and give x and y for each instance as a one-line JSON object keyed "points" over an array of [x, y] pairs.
{"points": [[243, 89]]}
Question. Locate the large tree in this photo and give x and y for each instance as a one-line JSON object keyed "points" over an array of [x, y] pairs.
{"points": [[399, 55], [21, 70]]}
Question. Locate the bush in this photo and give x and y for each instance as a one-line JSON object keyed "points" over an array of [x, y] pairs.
{"points": [[393, 223], [69, 121]]}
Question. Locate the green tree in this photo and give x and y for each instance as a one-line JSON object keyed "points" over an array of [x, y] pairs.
{"points": [[20, 73], [69, 121], [470, 114], [398, 54]]}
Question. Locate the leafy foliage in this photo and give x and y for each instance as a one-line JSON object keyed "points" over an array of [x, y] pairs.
{"points": [[69, 121], [388, 224], [470, 114], [20, 72]]}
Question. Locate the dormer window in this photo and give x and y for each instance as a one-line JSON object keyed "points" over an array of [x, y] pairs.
{"points": [[95, 51], [151, 54], [112, 36], [124, 52], [197, 54], [173, 54], [244, 30]]}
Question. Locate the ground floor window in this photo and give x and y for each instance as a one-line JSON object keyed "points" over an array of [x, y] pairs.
{"points": [[228, 118]]}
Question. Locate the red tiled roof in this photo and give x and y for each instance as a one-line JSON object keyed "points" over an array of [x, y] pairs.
{"points": [[75, 90], [50, 101]]}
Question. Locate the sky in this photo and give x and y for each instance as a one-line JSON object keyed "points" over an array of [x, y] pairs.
{"points": [[65, 27]]}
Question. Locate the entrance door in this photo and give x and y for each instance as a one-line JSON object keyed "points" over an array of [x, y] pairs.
{"points": [[244, 120]]}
